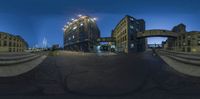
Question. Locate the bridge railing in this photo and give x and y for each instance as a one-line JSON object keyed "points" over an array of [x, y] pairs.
{"points": [[187, 58]]}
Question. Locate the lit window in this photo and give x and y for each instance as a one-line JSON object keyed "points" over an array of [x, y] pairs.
{"points": [[81, 24], [131, 19], [131, 27], [132, 45], [199, 42], [65, 26], [69, 38], [184, 44], [73, 37], [63, 29]]}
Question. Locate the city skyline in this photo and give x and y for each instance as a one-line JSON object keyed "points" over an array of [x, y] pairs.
{"points": [[33, 21]]}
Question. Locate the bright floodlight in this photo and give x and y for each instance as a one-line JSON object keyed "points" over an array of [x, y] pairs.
{"points": [[79, 15], [95, 19], [63, 29], [72, 19], [65, 26]]}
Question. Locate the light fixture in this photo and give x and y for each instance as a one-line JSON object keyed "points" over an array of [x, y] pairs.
{"points": [[72, 19], [63, 29], [83, 17], [79, 15], [75, 28], [95, 19], [65, 26]]}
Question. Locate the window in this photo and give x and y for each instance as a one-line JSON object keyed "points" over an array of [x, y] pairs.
{"points": [[188, 49], [5, 37], [184, 44], [183, 36], [132, 45], [189, 43], [14, 44], [198, 42], [131, 19], [131, 27], [10, 49], [179, 37], [5, 43], [10, 44]]}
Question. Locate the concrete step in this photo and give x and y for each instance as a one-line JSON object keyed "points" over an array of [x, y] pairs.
{"points": [[18, 69], [187, 61], [8, 58], [12, 62], [11, 54]]}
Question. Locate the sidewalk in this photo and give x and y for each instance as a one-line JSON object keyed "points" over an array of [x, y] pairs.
{"points": [[186, 69]]}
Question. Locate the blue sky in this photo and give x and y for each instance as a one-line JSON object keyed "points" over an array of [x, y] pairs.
{"points": [[36, 19]]}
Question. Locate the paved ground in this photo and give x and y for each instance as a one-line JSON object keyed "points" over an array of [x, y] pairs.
{"points": [[138, 76], [187, 69]]}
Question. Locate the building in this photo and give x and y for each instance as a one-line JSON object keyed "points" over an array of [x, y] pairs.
{"points": [[185, 41], [55, 47], [12, 43], [188, 42], [81, 34], [181, 28], [125, 34]]}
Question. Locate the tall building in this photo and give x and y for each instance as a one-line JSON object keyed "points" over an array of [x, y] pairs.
{"points": [[125, 34], [181, 28], [12, 43], [185, 41], [81, 34]]}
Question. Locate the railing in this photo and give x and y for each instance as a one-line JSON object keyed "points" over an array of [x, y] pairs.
{"points": [[187, 58]]}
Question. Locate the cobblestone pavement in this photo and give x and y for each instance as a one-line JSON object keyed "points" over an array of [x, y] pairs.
{"points": [[138, 76]]}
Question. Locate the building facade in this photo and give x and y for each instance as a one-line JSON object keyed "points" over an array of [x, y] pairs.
{"points": [[125, 34], [185, 41], [188, 42], [12, 43], [81, 34]]}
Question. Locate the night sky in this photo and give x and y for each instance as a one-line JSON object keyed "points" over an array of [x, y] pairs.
{"points": [[35, 20]]}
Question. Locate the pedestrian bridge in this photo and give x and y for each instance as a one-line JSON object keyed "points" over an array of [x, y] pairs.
{"points": [[157, 33]]}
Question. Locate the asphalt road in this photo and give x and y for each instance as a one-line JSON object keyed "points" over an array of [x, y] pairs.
{"points": [[140, 76]]}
